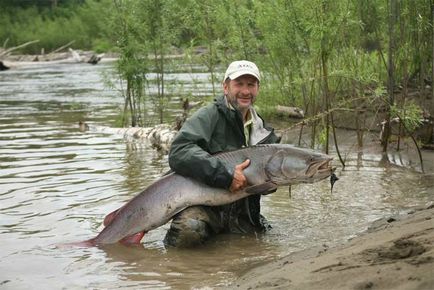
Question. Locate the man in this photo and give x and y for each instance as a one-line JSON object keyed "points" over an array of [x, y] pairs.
{"points": [[229, 123]]}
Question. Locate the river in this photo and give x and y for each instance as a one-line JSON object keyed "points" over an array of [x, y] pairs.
{"points": [[57, 184]]}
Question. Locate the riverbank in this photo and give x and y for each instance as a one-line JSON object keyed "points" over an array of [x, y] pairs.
{"points": [[394, 253]]}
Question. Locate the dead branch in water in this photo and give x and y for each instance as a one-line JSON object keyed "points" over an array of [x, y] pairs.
{"points": [[7, 51], [62, 47], [5, 43]]}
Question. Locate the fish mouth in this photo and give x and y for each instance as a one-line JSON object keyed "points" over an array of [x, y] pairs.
{"points": [[321, 168]]}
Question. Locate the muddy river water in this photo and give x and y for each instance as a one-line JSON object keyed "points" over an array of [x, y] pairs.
{"points": [[57, 184]]}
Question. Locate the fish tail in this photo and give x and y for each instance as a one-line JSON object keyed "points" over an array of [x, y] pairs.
{"points": [[82, 244]]}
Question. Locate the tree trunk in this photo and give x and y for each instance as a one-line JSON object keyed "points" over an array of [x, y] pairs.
{"points": [[391, 73], [432, 57]]}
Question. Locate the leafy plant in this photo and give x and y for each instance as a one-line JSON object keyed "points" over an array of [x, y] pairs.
{"points": [[410, 114]]}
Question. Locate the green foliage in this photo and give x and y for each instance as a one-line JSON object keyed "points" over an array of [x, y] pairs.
{"points": [[145, 32], [54, 27], [317, 55], [410, 114], [322, 137]]}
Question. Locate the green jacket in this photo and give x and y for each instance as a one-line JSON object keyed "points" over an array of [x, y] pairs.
{"points": [[212, 129]]}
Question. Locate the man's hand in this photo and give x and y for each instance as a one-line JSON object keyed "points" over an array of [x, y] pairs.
{"points": [[239, 181]]}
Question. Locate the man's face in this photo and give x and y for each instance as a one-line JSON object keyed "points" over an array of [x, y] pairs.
{"points": [[242, 91]]}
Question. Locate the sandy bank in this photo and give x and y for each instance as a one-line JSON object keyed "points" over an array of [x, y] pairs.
{"points": [[395, 253]]}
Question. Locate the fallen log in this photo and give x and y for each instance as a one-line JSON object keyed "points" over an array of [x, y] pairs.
{"points": [[61, 48], [9, 50], [94, 59], [159, 137], [290, 112]]}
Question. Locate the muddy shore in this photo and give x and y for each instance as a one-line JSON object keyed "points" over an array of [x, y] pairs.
{"points": [[396, 252]]}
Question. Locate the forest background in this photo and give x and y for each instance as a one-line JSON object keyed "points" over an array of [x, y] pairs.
{"points": [[341, 61]]}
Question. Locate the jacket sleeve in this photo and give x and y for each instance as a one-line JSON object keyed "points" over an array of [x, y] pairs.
{"points": [[188, 153]]}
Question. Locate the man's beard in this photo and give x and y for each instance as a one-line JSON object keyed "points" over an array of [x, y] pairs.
{"points": [[233, 101]]}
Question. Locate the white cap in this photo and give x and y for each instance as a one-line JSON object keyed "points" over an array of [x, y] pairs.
{"points": [[242, 67]]}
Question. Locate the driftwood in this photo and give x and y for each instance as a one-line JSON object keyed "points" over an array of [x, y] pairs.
{"points": [[428, 146], [9, 50], [53, 56], [425, 131], [291, 112], [94, 59], [62, 47], [159, 137], [73, 56]]}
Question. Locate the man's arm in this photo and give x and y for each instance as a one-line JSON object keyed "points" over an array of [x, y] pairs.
{"points": [[188, 155]]}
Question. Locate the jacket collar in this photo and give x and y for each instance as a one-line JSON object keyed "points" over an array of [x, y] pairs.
{"points": [[258, 132], [221, 102]]}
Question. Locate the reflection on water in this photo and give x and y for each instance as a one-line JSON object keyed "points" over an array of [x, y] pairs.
{"points": [[57, 184]]}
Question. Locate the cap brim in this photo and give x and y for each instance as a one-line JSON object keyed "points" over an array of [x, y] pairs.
{"points": [[241, 73]]}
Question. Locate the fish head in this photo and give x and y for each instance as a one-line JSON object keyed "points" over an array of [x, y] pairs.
{"points": [[292, 165]]}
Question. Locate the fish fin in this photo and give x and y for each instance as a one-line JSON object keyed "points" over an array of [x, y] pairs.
{"points": [[273, 168], [261, 188], [110, 217], [133, 239]]}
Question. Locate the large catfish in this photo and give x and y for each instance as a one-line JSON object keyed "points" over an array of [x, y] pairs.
{"points": [[270, 166]]}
